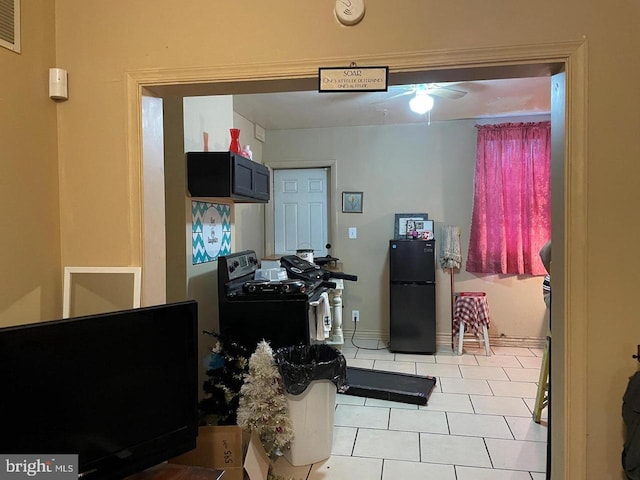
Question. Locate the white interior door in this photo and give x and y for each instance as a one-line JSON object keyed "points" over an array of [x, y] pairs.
{"points": [[300, 210]]}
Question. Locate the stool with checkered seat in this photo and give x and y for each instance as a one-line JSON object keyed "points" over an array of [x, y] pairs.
{"points": [[471, 309]]}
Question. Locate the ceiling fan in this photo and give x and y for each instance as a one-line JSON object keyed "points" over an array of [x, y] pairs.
{"points": [[423, 94], [432, 89]]}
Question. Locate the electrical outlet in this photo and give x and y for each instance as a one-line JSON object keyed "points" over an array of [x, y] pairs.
{"points": [[355, 315]]}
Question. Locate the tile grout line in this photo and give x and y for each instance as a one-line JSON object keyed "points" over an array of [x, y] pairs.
{"points": [[473, 407], [509, 427], [355, 439], [484, 440], [493, 393]]}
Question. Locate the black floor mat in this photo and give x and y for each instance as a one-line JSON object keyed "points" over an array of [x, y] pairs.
{"points": [[396, 387]]}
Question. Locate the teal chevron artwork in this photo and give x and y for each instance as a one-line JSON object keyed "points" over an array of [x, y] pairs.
{"points": [[210, 230]]}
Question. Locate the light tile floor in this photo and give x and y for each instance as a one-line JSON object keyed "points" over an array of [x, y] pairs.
{"points": [[477, 424]]}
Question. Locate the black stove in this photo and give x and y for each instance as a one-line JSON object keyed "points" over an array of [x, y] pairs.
{"points": [[236, 281], [281, 312]]}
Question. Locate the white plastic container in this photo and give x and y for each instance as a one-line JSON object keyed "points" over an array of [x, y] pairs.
{"points": [[311, 415], [305, 254]]}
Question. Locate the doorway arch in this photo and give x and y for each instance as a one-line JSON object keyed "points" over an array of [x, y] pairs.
{"points": [[569, 211]]}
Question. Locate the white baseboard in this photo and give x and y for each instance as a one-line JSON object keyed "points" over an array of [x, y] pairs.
{"points": [[523, 342], [366, 335], [443, 338]]}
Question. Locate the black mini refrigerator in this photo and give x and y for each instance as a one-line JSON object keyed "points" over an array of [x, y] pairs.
{"points": [[412, 296]]}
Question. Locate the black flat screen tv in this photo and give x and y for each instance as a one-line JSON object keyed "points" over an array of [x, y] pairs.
{"points": [[118, 389]]}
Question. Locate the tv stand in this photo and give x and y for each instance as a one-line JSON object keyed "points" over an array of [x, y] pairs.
{"points": [[172, 471]]}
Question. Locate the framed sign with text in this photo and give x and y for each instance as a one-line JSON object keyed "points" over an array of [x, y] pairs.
{"points": [[353, 79]]}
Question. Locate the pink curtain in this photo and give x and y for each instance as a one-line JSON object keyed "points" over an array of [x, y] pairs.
{"points": [[512, 198]]}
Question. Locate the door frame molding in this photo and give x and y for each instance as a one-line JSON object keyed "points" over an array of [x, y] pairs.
{"points": [[332, 220], [569, 332]]}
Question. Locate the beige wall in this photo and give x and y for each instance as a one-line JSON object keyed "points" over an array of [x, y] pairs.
{"points": [[248, 221], [154, 288], [29, 210], [410, 168], [176, 228], [184, 123], [215, 115], [98, 43]]}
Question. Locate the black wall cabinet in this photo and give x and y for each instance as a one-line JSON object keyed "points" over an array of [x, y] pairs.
{"points": [[228, 175]]}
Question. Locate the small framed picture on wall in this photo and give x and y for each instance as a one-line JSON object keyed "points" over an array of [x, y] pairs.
{"points": [[352, 202]]}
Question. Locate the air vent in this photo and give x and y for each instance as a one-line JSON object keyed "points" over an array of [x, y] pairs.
{"points": [[10, 24]]}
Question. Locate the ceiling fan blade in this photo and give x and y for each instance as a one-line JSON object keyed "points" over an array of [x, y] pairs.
{"points": [[446, 92], [393, 97]]}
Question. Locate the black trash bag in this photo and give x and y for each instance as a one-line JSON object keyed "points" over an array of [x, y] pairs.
{"points": [[301, 364]]}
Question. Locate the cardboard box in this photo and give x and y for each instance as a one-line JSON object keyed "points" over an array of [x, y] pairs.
{"points": [[228, 448]]}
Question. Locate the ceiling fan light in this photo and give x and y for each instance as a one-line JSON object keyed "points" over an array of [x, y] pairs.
{"points": [[421, 103]]}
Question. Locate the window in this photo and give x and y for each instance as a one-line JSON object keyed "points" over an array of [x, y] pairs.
{"points": [[511, 217]]}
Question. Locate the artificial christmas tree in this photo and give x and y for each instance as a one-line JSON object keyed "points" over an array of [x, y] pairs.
{"points": [[227, 365], [263, 404]]}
